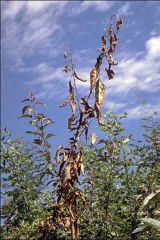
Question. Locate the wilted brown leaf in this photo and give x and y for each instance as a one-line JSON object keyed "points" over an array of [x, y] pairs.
{"points": [[110, 73], [98, 112], [66, 69], [99, 92], [66, 173], [70, 121], [93, 138], [119, 23], [70, 96], [58, 153], [82, 168], [80, 79], [93, 78], [73, 106]]}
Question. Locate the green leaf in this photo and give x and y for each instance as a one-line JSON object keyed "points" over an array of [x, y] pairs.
{"points": [[33, 133], [37, 141], [50, 135], [152, 222]]}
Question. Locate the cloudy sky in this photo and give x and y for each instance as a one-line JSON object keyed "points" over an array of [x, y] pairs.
{"points": [[34, 36]]}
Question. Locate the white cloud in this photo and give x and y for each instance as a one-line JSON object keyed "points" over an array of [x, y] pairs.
{"points": [[113, 105], [138, 74], [142, 111], [12, 8], [153, 47], [100, 6], [36, 34], [124, 10], [36, 30]]}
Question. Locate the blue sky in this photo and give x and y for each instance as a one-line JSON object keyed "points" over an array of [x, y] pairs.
{"points": [[34, 35]]}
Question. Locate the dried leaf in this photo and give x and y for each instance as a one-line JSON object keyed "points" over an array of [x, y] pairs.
{"points": [[97, 108], [66, 69], [99, 92], [70, 96], [119, 23], [70, 121], [75, 230], [80, 79], [26, 100], [93, 138], [110, 73], [82, 168], [61, 167], [113, 41], [67, 173], [29, 108], [93, 78], [58, 153], [73, 106], [65, 156]]}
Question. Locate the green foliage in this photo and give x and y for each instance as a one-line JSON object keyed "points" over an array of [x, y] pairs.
{"points": [[121, 184], [120, 173], [23, 205]]}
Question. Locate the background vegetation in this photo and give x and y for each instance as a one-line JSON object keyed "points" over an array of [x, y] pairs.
{"points": [[121, 185]]}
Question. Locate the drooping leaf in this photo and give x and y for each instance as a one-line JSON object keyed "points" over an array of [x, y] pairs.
{"points": [[93, 78], [99, 96], [93, 138], [26, 100], [66, 69], [58, 153], [70, 96], [73, 106], [61, 167], [99, 92], [71, 121], [97, 108], [25, 115], [110, 73], [119, 23], [67, 173], [82, 168], [29, 108], [80, 79]]}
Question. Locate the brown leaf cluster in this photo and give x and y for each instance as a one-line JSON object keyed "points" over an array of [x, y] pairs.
{"points": [[70, 159]]}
